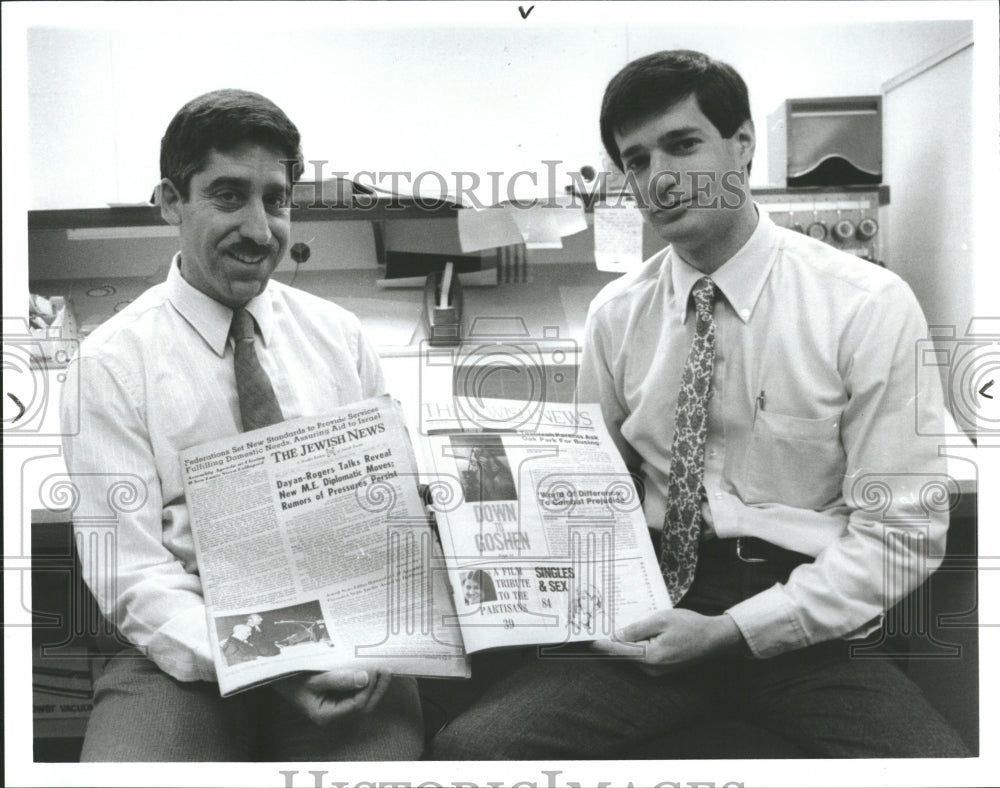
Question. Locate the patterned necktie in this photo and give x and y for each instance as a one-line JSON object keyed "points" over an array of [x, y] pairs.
{"points": [[258, 404], [682, 523]]}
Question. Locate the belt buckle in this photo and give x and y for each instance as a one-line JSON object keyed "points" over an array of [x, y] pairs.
{"points": [[747, 559]]}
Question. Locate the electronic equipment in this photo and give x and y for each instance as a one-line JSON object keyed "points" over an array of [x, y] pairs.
{"points": [[850, 219]]}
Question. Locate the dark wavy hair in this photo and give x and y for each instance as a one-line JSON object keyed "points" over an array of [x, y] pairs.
{"points": [[222, 120], [654, 83]]}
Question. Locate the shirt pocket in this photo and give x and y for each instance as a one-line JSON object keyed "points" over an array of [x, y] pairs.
{"points": [[793, 461]]}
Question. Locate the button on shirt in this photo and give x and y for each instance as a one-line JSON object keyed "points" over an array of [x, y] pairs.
{"points": [[154, 380], [813, 408]]}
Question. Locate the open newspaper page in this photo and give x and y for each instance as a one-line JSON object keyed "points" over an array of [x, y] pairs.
{"points": [[315, 551], [542, 527]]}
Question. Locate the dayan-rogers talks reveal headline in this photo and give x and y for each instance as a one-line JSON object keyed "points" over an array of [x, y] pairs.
{"points": [[318, 779]]}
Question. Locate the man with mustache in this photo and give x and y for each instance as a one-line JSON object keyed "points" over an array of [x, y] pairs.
{"points": [[757, 381], [158, 378]]}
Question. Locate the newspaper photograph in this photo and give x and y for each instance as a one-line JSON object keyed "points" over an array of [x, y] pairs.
{"points": [[316, 552], [542, 527]]}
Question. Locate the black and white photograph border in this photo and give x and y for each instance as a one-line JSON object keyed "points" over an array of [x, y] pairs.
{"points": [[547, 54]]}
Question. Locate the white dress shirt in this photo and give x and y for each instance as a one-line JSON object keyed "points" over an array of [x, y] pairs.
{"points": [[811, 439], [156, 379]]}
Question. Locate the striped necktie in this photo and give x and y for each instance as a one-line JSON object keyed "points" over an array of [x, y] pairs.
{"points": [[258, 404], [682, 523]]}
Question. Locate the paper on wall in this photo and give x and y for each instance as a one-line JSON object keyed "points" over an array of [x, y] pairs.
{"points": [[541, 226], [617, 237], [544, 226], [487, 229]]}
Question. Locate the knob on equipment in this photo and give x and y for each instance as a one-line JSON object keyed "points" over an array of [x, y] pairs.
{"points": [[817, 230], [867, 228], [843, 229]]}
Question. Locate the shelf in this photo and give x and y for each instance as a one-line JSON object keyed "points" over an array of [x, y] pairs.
{"points": [[364, 208]]}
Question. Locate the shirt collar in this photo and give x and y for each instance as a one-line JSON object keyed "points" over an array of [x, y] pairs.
{"points": [[741, 278], [210, 318]]}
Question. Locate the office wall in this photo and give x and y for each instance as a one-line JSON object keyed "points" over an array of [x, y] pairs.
{"points": [[929, 162], [406, 99], [461, 96]]}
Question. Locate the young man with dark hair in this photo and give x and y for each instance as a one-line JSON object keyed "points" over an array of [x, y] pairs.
{"points": [[217, 349], [761, 384]]}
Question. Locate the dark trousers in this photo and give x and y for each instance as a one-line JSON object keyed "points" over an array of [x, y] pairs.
{"points": [[142, 714], [581, 706]]}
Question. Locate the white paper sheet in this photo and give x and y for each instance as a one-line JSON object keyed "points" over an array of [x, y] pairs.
{"points": [[617, 238], [487, 229]]}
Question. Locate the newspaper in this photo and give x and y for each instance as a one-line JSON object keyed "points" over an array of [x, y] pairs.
{"points": [[542, 526], [315, 550]]}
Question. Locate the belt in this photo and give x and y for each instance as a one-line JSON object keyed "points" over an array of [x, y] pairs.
{"points": [[751, 550]]}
